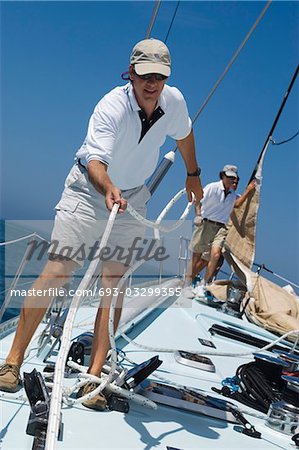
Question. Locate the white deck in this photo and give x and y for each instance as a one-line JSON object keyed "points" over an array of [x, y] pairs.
{"points": [[141, 428]]}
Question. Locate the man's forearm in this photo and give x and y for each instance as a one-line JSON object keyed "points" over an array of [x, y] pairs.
{"points": [[186, 147], [239, 202], [97, 174]]}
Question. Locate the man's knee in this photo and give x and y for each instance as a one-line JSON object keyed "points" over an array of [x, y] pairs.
{"points": [[57, 273], [111, 274], [215, 253], [196, 257]]}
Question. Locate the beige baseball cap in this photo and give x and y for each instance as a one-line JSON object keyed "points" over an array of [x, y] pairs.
{"points": [[151, 56], [230, 170]]}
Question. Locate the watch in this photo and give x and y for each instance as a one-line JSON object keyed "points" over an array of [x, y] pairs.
{"points": [[194, 174]]}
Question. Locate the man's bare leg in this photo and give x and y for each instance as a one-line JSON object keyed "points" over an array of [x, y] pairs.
{"points": [[54, 275], [111, 274], [212, 264], [198, 266], [195, 266], [191, 269]]}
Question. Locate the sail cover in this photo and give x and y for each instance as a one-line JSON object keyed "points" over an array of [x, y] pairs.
{"points": [[270, 305]]}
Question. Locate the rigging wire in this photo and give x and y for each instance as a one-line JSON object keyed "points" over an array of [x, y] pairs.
{"points": [[125, 75], [172, 20], [232, 61], [154, 16], [168, 159], [262, 266], [23, 238], [285, 141], [155, 12]]}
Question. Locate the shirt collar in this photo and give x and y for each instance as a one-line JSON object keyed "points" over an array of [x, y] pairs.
{"points": [[133, 102], [132, 99], [161, 100]]}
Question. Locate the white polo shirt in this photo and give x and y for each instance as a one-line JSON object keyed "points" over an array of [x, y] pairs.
{"points": [[215, 205], [114, 134]]}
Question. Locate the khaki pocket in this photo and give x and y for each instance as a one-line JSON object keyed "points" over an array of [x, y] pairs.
{"points": [[67, 204]]}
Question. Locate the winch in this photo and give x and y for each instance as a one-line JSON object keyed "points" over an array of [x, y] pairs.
{"points": [[283, 415]]}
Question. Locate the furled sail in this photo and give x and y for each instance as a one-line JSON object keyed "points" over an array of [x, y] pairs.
{"points": [[242, 226]]}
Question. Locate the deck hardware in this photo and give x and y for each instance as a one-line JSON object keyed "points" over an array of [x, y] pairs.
{"points": [[247, 428], [140, 372], [76, 354], [53, 329], [194, 360], [116, 403], [295, 438], [39, 399], [206, 343], [283, 417], [243, 337]]}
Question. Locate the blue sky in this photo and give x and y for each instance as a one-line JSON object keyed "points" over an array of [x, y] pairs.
{"points": [[59, 58]]}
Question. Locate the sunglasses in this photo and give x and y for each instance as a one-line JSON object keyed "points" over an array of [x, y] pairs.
{"points": [[148, 76], [233, 179]]}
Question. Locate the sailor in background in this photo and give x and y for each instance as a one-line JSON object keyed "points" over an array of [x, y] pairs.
{"points": [[120, 151], [212, 217]]}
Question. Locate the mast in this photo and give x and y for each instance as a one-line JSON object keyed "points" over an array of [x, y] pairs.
{"points": [[286, 95], [242, 227]]}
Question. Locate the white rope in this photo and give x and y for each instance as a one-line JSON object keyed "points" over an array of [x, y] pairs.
{"points": [[57, 393], [211, 353], [121, 282], [110, 387], [56, 397], [157, 223], [104, 383], [112, 314], [23, 238]]}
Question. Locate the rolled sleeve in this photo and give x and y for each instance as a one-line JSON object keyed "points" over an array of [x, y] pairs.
{"points": [[102, 132], [181, 124]]}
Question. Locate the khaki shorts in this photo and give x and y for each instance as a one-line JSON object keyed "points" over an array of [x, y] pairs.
{"points": [[207, 235], [81, 218]]}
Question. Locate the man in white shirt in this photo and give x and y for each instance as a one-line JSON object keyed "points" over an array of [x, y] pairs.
{"points": [[212, 217], [120, 151]]}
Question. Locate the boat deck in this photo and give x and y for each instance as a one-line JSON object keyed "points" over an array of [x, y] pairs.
{"points": [[170, 428]]}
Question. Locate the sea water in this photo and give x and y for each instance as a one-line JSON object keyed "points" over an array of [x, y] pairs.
{"points": [[11, 257]]}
